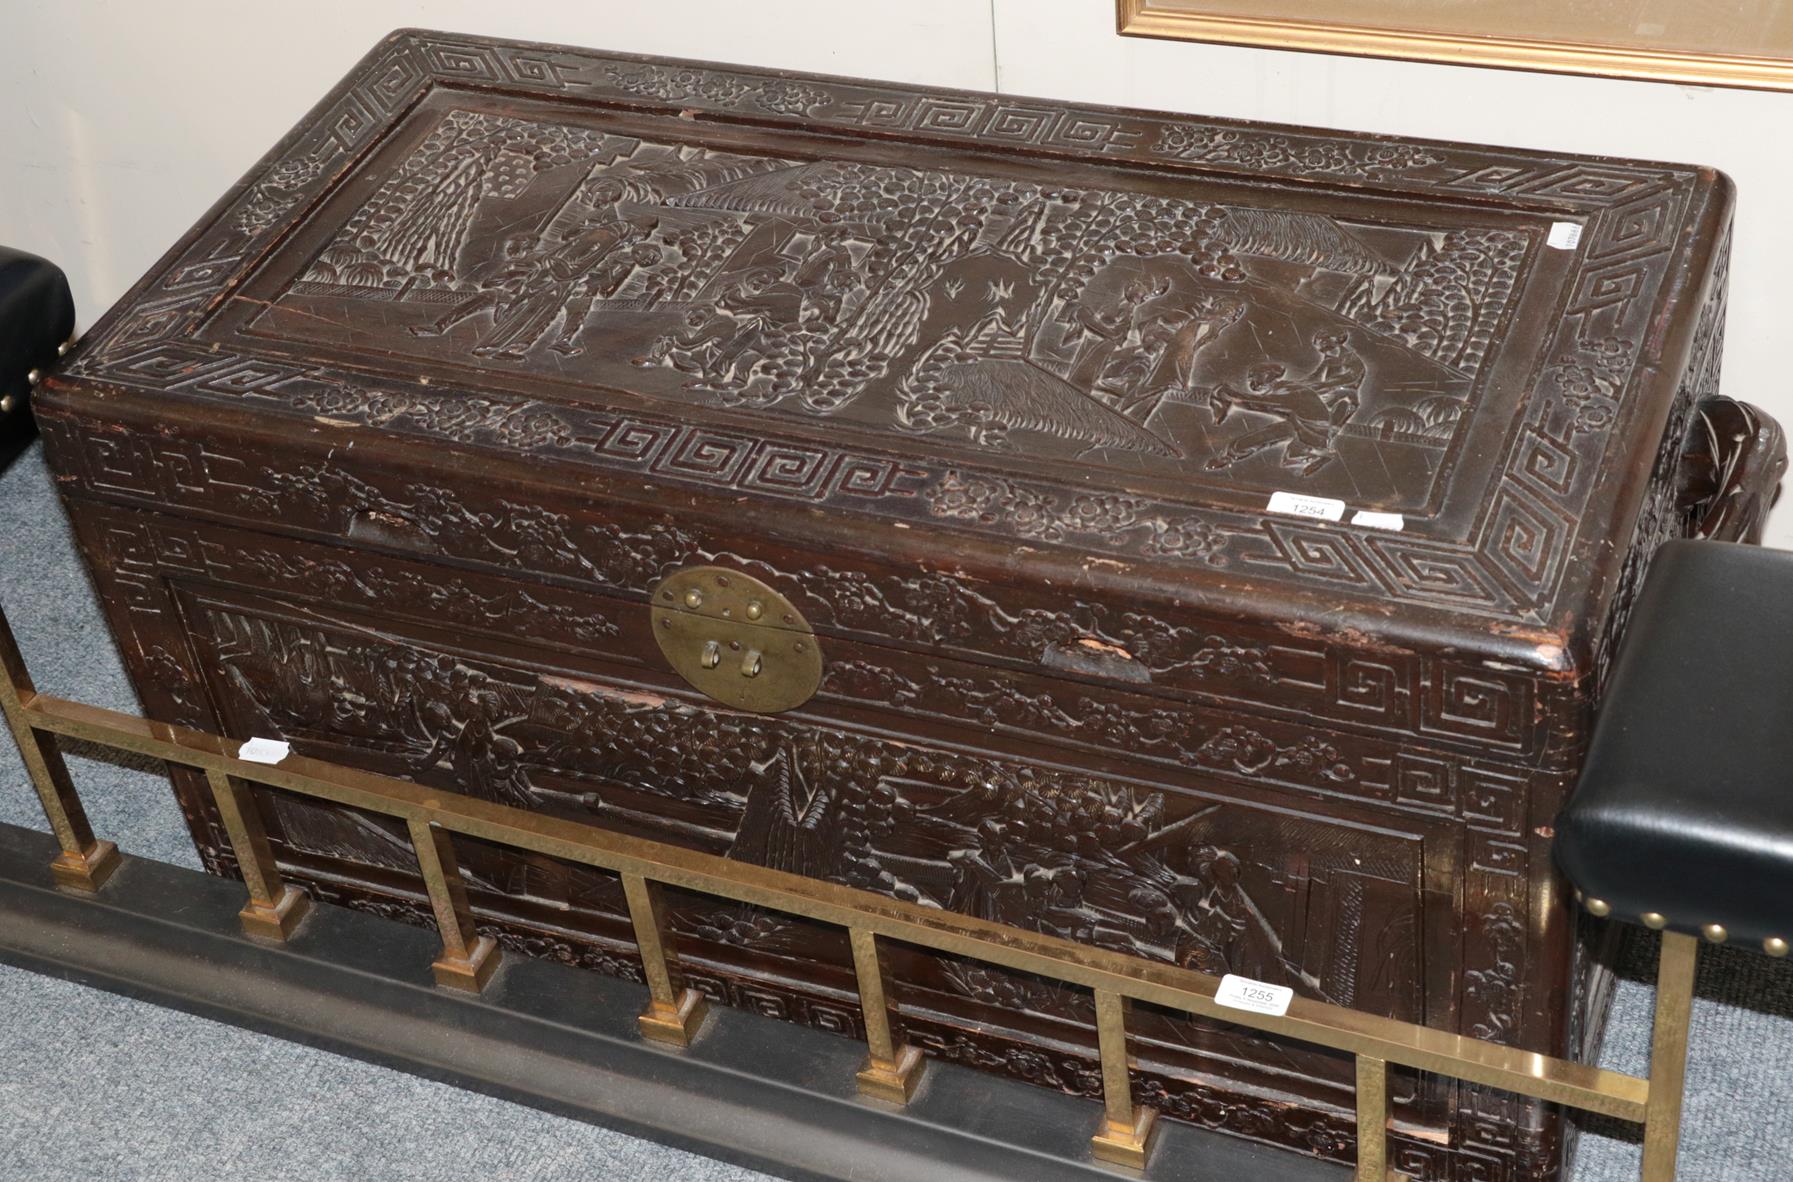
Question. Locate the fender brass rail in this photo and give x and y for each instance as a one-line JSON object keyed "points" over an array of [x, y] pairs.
{"points": [[673, 1014]]}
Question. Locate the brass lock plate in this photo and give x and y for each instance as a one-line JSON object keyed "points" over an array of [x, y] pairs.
{"points": [[736, 639]]}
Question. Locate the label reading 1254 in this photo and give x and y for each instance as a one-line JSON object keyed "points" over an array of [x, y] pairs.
{"points": [[1302, 505], [1242, 993]]}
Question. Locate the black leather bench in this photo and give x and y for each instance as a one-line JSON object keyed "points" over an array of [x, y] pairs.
{"points": [[1683, 820], [37, 316]]}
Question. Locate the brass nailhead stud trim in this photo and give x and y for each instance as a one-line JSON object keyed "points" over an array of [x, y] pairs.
{"points": [[1655, 920], [6, 405], [1599, 908], [1716, 933], [1774, 946], [62, 349], [34, 377]]}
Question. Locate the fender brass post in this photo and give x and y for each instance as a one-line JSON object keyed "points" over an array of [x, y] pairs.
{"points": [[1125, 1138], [1372, 1119], [275, 907], [468, 960], [1668, 1055], [85, 863], [892, 1070], [672, 1016]]}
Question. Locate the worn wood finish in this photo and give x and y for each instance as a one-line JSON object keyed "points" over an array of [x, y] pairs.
{"points": [[386, 457]]}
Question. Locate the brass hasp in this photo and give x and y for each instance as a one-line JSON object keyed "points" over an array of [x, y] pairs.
{"points": [[736, 639]]}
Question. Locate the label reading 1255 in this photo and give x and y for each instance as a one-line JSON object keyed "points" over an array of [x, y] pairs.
{"points": [[1242, 993], [264, 750]]}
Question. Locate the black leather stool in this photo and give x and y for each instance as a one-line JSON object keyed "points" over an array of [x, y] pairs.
{"points": [[1683, 820], [37, 316]]}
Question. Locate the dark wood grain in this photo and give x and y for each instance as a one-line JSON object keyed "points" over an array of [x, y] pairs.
{"points": [[386, 455]]}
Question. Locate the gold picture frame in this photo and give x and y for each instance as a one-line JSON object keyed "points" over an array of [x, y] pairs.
{"points": [[1701, 42]]}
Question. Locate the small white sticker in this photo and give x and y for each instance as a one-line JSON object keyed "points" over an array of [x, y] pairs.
{"points": [[1242, 993], [264, 751], [1299, 505], [1372, 520], [1565, 235]]}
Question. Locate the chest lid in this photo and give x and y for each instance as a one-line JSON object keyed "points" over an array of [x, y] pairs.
{"points": [[1407, 389]]}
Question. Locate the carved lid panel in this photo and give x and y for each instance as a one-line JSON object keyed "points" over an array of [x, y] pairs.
{"points": [[1129, 331], [1107, 332]]}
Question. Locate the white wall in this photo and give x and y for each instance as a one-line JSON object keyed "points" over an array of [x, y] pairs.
{"points": [[120, 122]]}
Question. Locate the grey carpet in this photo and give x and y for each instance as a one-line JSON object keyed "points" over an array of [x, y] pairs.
{"points": [[147, 1093]]}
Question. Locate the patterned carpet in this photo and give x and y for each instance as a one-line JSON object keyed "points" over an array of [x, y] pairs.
{"points": [[147, 1093]]}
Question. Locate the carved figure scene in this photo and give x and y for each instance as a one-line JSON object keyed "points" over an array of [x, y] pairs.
{"points": [[1162, 335], [1211, 886]]}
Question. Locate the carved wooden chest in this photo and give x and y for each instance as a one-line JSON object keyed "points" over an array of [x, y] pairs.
{"points": [[1199, 539]]}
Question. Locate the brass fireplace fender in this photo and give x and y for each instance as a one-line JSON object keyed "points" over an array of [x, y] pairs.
{"points": [[674, 1015], [1181, 20]]}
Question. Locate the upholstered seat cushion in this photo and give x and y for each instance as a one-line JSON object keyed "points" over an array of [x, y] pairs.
{"points": [[36, 315], [1685, 807]]}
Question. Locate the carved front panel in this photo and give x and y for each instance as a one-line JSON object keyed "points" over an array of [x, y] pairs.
{"points": [[1212, 885], [1198, 875]]}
